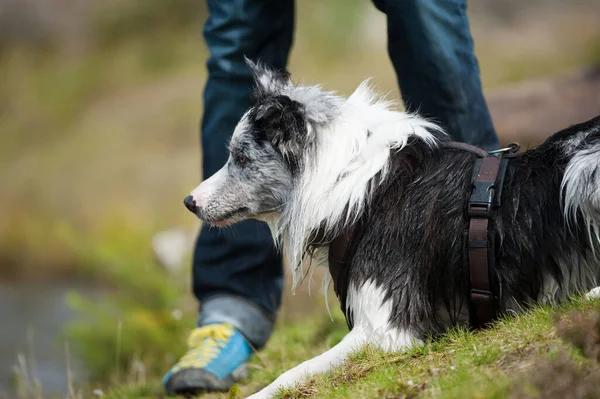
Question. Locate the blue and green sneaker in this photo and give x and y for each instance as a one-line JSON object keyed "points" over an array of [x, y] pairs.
{"points": [[216, 359]]}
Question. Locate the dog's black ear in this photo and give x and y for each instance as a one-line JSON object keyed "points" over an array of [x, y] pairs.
{"points": [[268, 81], [282, 120]]}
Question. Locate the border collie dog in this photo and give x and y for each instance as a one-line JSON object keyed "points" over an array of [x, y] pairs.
{"points": [[310, 163]]}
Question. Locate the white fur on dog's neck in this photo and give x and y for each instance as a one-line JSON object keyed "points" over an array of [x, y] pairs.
{"points": [[339, 169]]}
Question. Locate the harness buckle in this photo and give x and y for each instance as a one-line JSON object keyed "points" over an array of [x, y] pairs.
{"points": [[481, 296], [480, 202]]}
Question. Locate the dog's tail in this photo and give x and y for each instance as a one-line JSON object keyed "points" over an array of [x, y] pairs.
{"points": [[581, 182]]}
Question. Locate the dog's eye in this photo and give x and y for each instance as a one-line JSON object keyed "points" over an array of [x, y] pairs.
{"points": [[242, 160]]}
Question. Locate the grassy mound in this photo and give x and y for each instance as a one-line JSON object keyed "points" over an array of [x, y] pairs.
{"points": [[544, 353]]}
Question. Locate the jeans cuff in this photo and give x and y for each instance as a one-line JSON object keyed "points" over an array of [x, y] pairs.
{"points": [[248, 318]]}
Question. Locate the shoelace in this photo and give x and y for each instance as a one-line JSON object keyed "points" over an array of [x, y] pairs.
{"points": [[205, 344]]}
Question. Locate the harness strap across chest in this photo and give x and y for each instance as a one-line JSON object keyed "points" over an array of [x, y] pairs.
{"points": [[487, 182]]}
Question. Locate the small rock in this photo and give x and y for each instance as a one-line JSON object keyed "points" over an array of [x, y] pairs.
{"points": [[171, 248]]}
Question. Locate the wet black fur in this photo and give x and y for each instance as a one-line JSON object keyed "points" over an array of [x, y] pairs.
{"points": [[414, 242], [280, 121], [276, 118]]}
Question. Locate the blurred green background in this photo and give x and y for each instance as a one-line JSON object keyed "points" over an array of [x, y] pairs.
{"points": [[100, 103]]}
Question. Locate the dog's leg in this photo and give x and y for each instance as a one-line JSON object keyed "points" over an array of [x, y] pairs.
{"points": [[324, 362]]}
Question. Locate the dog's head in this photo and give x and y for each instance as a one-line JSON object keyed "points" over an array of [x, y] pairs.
{"points": [[267, 151]]}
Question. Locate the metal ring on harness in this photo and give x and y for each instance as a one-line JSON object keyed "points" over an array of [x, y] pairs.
{"points": [[511, 149]]}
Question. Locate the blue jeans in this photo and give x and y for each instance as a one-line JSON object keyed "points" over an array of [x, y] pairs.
{"points": [[237, 274]]}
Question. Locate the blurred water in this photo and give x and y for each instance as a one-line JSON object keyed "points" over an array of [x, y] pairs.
{"points": [[32, 318]]}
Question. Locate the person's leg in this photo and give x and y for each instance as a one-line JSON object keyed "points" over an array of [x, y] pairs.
{"points": [[240, 261], [237, 273], [431, 48]]}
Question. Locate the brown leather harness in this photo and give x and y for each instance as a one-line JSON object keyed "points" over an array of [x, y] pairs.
{"points": [[488, 178]]}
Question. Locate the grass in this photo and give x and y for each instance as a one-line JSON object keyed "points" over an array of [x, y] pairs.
{"points": [[535, 354], [460, 364]]}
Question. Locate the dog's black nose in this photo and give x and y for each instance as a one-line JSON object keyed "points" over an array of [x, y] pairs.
{"points": [[190, 203]]}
